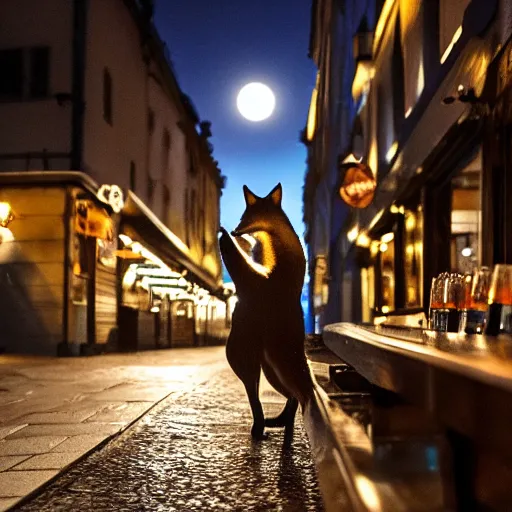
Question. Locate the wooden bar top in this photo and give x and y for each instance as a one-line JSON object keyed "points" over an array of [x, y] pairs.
{"points": [[486, 359]]}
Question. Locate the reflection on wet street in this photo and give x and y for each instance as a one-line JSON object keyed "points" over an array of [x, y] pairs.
{"points": [[193, 452]]}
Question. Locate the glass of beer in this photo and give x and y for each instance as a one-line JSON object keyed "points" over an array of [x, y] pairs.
{"points": [[436, 302], [476, 295], [499, 319]]}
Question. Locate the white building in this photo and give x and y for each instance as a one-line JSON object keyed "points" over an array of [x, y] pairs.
{"points": [[87, 86]]}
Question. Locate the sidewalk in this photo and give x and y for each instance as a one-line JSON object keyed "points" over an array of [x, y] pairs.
{"points": [[53, 411]]}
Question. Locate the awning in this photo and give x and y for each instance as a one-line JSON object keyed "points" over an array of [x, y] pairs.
{"points": [[140, 223]]}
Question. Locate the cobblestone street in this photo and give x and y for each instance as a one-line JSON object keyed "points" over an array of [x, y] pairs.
{"points": [[193, 452]]}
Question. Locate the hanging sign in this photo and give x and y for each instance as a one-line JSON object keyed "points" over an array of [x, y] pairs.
{"points": [[357, 184], [111, 195]]}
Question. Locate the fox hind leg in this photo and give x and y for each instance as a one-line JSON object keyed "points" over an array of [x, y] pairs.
{"points": [[258, 425], [286, 417]]}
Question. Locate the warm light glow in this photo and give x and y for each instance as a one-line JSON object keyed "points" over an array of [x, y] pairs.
{"points": [[363, 240], [420, 85], [374, 248], [381, 24], [373, 158], [6, 214], [410, 222], [397, 209], [365, 71], [311, 126], [352, 234], [454, 40], [155, 309], [125, 239], [466, 252], [383, 247], [385, 309], [392, 151], [256, 102], [388, 237], [376, 218], [130, 277], [157, 272]]}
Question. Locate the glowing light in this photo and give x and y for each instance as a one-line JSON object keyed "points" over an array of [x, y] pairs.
{"points": [[6, 215], [157, 272], [410, 223], [373, 159], [408, 113], [352, 234], [125, 239], [381, 24], [385, 309], [454, 40], [392, 151], [363, 240], [383, 247], [388, 237], [155, 309], [374, 248], [420, 84], [256, 101], [466, 252], [311, 126]]}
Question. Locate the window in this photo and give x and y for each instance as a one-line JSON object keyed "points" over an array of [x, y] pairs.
{"points": [[107, 96], [39, 72], [466, 213], [413, 257], [24, 73], [11, 74], [133, 176]]}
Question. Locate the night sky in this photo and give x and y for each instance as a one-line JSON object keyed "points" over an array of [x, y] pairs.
{"points": [[217, 46]]}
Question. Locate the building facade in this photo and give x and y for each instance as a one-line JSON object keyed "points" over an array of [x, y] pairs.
{"points": [[416, 91], [88, 97]]}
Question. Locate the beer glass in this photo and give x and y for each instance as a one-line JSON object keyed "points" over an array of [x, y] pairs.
{"points": [[476, 295], [446, 300], [436, 302], [500, 301]]}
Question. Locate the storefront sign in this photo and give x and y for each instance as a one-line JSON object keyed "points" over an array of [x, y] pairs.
{"points": [[357, 184], [112, 195]]}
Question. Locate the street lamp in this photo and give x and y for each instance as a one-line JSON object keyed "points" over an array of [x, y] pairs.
{"points": [[6, 214]]}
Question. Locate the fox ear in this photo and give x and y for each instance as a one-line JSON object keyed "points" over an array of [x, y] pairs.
{"points": [[250, 198], [276, 194]]}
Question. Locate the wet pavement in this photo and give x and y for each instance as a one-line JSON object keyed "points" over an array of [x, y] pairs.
{"points": [[193, 452]]}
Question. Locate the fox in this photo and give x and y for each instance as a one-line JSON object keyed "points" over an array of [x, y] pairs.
{"points": [[267, 330]]}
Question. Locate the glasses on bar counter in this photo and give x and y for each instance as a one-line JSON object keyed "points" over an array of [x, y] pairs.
{"points": [[499, 318], [476, 295], [474, 303], [446, 302]]}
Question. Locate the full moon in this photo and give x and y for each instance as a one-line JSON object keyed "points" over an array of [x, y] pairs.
{"points": [[256, 101]]}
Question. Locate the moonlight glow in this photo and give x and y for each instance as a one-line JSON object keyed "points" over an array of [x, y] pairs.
{"points": [[256, 101]]}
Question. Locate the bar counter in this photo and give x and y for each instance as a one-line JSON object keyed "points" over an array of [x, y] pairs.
{"points": [[462, 382]]}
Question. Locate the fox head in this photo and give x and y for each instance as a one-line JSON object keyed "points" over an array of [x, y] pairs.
{"points": [[262, 214]]}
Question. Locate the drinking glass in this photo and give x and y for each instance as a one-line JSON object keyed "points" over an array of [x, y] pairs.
{"points": [[476, 295], [500, 301], [436, 302]]}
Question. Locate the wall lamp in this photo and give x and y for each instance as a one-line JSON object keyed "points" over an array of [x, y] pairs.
{"points": [[6, 214]]}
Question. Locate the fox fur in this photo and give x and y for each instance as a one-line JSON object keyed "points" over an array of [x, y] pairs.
{"points": [[268, 324]]}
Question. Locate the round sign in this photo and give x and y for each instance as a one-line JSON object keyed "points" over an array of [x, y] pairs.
{"points": [[358, 184]]}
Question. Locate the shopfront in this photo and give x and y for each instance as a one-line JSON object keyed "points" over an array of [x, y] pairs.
{"points": [[85, 270]]}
